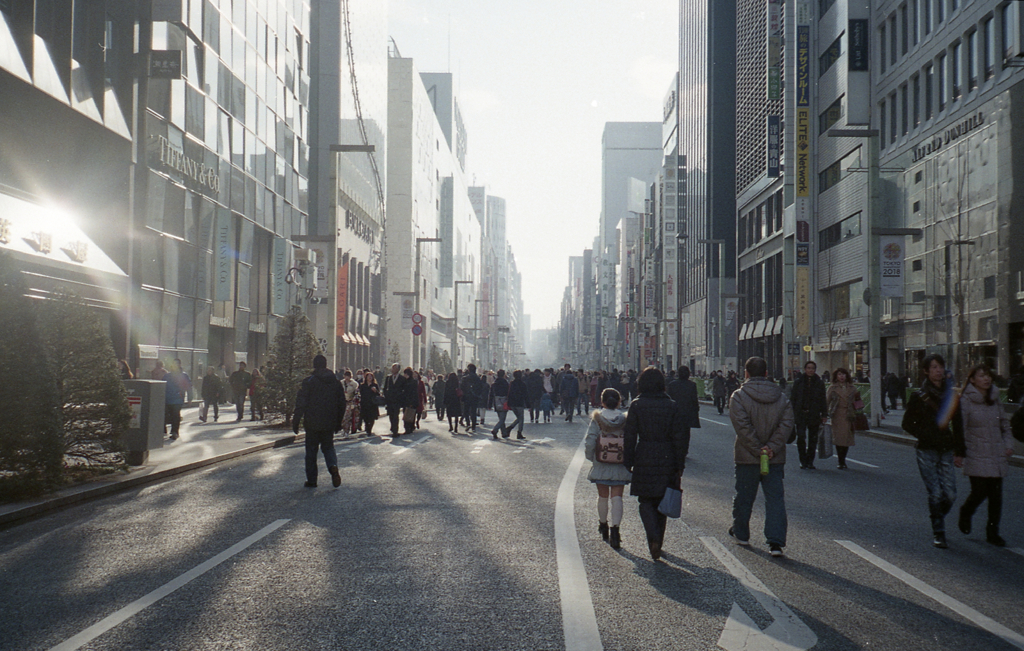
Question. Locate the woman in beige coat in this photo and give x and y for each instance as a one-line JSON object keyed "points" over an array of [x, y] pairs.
{"points": [[840, 397], [988, 444]]}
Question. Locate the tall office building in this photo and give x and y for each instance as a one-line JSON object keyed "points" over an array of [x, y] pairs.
{"points": [[709, 169]]}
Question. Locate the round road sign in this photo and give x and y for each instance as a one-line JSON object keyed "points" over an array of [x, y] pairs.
{"points": [[417, 329], [417, 318]]}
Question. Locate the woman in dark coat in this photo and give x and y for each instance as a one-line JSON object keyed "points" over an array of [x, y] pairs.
{"points": [[657, 440], [369, 412], [452, 402]]}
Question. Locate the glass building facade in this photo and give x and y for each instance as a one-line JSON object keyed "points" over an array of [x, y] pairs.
{"points": [[222, 182]]}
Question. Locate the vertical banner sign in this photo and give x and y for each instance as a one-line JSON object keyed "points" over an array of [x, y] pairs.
{"points": [[341, 315], [280, 266], [225, 256], [802, 178], [774, 133], [408, 309], [892, 261], [774, 50], [858, 56]]}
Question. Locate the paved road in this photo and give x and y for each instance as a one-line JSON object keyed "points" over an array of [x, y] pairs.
{"points": [[437, 541]]}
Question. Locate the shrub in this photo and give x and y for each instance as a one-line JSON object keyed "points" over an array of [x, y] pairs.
{"points": [[290, 362]]}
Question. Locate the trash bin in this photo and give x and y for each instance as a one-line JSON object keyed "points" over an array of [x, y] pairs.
{"points": [[146, 430]]}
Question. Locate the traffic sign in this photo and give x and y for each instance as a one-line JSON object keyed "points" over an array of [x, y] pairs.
{"points": [[807, 349], [417, 318], [417, 329]]}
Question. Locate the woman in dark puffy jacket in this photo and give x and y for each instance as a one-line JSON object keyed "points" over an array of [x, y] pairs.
{"points": [[989, 446], [453, 402], [369, 393], [496, 398], [657, 440]]}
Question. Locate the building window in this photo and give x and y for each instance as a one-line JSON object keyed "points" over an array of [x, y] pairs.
{"points": [[904, 108], [830, 56], [916, 113], [915, 27], [990, 286], [882, 141], [845, 302], [838, 170], [972, 60], [929, 83], [989, 47], [940, 90], [830, 116], [926, 16], [916, 265], [883, 59], [955, 72], [893, 42], [894, 124], [940, 11], [905, 29], [824, 6], [1006, 18], [835, 234]]}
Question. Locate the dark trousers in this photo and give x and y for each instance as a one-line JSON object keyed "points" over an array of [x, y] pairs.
{"points": [[315, 442], [720, 404], [240, 405], [205, 410], [394, 415], [985, 488], [892, 400], [807, 438], [653, 519], [172, 416], [469, 411]]}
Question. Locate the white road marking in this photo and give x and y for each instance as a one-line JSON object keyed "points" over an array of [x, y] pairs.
{"points": [[137, 606], [1017, 550], [479, 446], [544, 440], [787, 632], [861, 463], [965, 611], [412, 445], [579, 623]]}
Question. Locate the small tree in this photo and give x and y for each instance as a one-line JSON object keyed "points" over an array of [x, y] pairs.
{"points": [[30, 438], [290, 362], [395, 356], [94, 404]]}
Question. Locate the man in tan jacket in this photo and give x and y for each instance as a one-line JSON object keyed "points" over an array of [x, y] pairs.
{"points": [[763, 419]]}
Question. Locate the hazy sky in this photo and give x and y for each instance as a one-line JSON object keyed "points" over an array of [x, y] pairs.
{"points": [[536, 82]]}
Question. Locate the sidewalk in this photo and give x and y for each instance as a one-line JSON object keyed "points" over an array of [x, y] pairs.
{"points": [[199, 444]]}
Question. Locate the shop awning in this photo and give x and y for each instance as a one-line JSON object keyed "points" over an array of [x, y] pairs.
{"points": [[743, 331], [779, 322], [759, 329]]}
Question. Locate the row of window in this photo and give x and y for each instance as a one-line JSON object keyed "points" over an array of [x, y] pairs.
{"points": [[906, 26], [759, 223], [957, 70]]}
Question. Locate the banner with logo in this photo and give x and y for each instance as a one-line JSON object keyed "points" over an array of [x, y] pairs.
{"points": [[341, 315], [893, 254]]}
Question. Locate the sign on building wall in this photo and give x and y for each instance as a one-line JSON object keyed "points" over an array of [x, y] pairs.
{"points": [[802, 174], [892, 261], [224, 256], [858, 55], [774, 133], [341, 315], [803, 301], [281, 265], [774, 50]]}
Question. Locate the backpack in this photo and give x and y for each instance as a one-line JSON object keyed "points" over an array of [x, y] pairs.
{"points": [[611, 442]]}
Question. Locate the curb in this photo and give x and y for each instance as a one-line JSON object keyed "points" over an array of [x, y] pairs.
{"points": [[1016, 460], [86, 492]]}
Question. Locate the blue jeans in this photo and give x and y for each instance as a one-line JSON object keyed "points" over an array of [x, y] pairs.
{"points": [[748, 478], [518, 422], [501, 423], [316, 441], [940, 481]]}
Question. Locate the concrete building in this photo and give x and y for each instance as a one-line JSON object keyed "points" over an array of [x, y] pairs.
{"points": [[432, 286], [947, 80]]}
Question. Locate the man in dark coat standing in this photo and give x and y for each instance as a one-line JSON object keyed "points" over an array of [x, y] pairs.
{"points": [[811, 410], [395, 396], [569, 390], [470, 385], [321, 406], [684, 392]]}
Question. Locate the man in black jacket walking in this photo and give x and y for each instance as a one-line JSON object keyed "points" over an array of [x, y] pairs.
{"points": [[684, 392], [321, 404], [810, 410]]}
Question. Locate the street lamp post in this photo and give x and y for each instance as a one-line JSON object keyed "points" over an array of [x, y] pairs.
{"points": [[455, 323], [721, 301], [416, 361]]}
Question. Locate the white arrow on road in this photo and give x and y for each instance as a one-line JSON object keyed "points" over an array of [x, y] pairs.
{"points": [[412, 445], [786, 632], [544, 440]]}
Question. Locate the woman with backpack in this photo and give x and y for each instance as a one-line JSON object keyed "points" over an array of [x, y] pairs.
{"points": [[604, 446]]}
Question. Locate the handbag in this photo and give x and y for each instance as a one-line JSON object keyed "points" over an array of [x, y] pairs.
{"points": [[860, 423], [672, 503], [858, 403], [380, 400], [825, 442]]}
